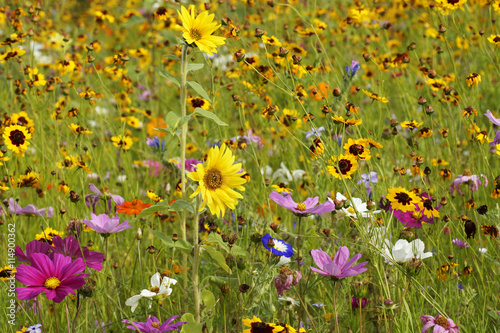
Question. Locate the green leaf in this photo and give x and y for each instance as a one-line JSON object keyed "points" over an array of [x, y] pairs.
{"points": [[194, 67], [180, 244], [218, 257], [235, 251], [172, 119], [199, 89], [191, 326], [209, 115], [183, 120], [171, 57], [180, 205], [153, 209], [168, 76], [208, 298]]}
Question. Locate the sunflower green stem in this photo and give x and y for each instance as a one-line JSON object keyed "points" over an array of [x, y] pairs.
{"points": [[196, 260]]}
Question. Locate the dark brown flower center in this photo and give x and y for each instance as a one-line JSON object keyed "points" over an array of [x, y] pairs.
{"points": [[17, 137], [197, 102], [356, 149], [496, 39], [403, 198], [213, 179], [345, 166], [261, 328], [442, 321], [428, 204]]}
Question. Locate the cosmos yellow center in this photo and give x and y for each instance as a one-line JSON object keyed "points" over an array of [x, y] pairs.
{"points": [[195, 34], [155, 325], [213, 179], [301, 207], [155, 289], [442, 321], [52, 283], [351, 210]]}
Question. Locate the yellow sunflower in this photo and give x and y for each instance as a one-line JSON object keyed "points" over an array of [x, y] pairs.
{"points": [[217, 179], [344, 165], [16, 137], [198, 30], [403, 200]]}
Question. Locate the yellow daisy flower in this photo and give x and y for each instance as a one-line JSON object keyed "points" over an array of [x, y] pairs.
{"points": [[198, 30], [473, 79], [494, 39], [216, 180], [125, 142], [16, 137], [256, 325], [403, 200], [376, 97], [344, 165]]}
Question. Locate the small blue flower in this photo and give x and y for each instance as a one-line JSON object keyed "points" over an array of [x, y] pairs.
{"points": [[315, 132], [351, 70], [155, 143], [461, 287], [280, 247], [319, 305]]}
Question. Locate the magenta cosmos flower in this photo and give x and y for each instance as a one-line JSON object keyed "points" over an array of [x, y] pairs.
{"points": [[310, 206], [106, 225], [57, 277], [340, 267], [441, 324], [30, 210], [152, 325]]}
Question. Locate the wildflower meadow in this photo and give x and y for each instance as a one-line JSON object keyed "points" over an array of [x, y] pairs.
{"points": [[249, 166]]}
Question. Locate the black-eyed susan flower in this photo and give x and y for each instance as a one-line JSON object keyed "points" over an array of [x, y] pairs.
{"points": [[122, 141], [47, 235], [216, 180], [494, 39], [269, 111], [425, 132], [257, 326], [411, 125], [7, 272], [161, 14], [473, 79], [376, 97], [16, 52], [271, 41], [199, 30], [436, 84], [80, 162], [153, 196], [447, 6], [357, 148], [317, 148], [281, 188], [79, 129], [36, 79], [103, 15], [490, 230], [342, 166], [468, 111], [402, 199], [347, 122], [16, 138], [198, 102]]}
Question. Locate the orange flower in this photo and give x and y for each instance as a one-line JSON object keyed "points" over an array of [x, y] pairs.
{"points": [[156, 123], [133, 207], [322, 93]]}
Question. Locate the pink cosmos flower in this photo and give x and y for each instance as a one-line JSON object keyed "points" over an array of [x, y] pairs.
{"points": [[148, 326], [30, 210], [103, 224], [440, 323], [310, 206], [340, 267], [57, 278], [474, 182]]}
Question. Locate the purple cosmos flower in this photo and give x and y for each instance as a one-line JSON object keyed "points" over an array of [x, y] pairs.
{"points": [[32, 247], [338, 268], [93, 199], [106, 225], [496, 139], [489, 115], [422, 213], [460, 243], [190, 164], [474, 182], [69, 246], [310, 206], [355, 302], [279, 247], [440, 323], [57, 278], [315, 132], [29, 210], [152, 325], [286, 279], [249, 138]]}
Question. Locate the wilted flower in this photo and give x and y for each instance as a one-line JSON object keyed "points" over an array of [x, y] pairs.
{"points": [[286, 279], [474, 182]]}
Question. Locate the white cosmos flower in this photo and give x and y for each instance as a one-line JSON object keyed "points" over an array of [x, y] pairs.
{"points": [[284, 175], [356, 204], [403, 251], [157, 288]]}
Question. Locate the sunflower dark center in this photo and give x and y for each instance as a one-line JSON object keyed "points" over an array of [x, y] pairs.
{"points": [[356, 149], [496, 39], [261, 328], [403, 198], [213, 179], [344, 166], [197, 102], [17, 137]]}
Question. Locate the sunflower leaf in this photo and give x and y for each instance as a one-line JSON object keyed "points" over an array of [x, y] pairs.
{"points": [[180, 205], [168, 76], [199, 89], [191, 326], [194, 67], [208, 299], [171, 57], [218, 257], [172, 119], [209, 115], [180, 244]]}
